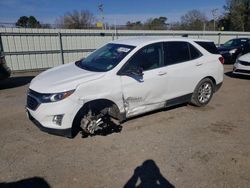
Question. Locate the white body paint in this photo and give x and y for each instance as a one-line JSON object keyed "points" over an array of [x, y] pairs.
{"points": [[242, 68], [132, 96]]}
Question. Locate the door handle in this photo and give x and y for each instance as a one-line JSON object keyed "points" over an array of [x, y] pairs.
{"points": [[161, 73], [199, 64]]}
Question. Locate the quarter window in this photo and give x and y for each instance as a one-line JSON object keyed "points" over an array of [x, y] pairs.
{"points": [[194, 53], [177, 52]]}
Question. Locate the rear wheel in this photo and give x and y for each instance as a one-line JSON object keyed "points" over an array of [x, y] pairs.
{"points": [[203, 92]]}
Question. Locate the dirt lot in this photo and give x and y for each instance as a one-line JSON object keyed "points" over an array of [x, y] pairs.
{"points": [[181, 147]]}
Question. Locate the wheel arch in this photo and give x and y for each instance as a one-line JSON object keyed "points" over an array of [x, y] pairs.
{"points": [[194, 100], [102, 103], [212, 79], [209, 77]]}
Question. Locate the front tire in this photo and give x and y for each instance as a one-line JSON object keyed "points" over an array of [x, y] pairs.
{"points": [[203, 93]]}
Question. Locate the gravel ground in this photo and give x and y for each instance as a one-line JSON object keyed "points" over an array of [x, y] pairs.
{"points": [[179, 147]]}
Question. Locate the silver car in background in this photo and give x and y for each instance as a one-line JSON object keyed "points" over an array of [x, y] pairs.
{"points": [[242, 65]]}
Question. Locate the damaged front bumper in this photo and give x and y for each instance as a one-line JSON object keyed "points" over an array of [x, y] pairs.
{"points": [[55, 117], [60, 132]]}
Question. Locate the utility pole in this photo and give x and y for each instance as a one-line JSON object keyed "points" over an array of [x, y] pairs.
{"points": [[101, 9], [215, 15]]}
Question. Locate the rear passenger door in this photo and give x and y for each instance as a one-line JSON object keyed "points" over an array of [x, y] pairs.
{"points": [[183, 63]]}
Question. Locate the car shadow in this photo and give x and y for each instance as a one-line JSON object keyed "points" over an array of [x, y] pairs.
{"points": [[237, 76], [14, 82], [148, 175], [27, 183], [117, 128]]}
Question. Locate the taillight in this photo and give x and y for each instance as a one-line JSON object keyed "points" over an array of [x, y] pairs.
{"points": [[221, 59]]}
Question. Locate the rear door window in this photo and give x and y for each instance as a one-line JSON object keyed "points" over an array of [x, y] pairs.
{"points": [[176, 52]]}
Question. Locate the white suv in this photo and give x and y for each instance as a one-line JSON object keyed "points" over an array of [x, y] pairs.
{"points": [[124, 78]]}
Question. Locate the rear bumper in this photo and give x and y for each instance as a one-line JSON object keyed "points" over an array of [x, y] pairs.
{"points": [[59, 132]]}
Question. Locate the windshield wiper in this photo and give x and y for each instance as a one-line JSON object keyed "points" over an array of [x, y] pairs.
{"points": [[84, 66]]}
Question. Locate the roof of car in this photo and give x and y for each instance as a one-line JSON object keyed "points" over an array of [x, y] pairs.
{"points": [[240, 39], [136, 41]]}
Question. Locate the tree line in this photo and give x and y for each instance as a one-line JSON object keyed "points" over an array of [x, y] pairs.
{"points": [[235, 17]]}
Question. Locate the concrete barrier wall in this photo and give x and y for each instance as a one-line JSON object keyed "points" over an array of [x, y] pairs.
{"points": [[31, 49]]}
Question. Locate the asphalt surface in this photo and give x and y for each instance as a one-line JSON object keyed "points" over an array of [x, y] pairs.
{"points": [[183, 146]]}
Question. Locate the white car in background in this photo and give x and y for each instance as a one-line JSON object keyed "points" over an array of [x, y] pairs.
{"points": [[122, 79], [242, 65]]}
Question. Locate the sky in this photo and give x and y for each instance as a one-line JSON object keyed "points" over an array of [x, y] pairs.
{"points": [[115, 11]]}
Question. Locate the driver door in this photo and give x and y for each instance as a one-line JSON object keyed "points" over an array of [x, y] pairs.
{"points": [[143, 93]]}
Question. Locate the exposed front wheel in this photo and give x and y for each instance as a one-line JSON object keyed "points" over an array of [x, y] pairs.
{"points": [[93, 121], [97, 119], [203, 92]]}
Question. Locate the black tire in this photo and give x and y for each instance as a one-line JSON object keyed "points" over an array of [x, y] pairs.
{"points": [[203, 93]]}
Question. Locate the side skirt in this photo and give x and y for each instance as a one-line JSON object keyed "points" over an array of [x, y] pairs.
{"points": [[178, 100]]}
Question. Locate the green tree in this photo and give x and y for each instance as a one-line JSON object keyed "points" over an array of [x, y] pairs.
{"points": [[22, 21], [28, 22], [156, 23], [151, 24], [237, 14], [224, 23], [134, 25], [33, 23]]}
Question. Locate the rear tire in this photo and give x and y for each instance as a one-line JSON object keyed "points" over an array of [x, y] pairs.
{"points": [[203, 93]]}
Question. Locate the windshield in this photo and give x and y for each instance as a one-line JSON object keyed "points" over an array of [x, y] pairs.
{"points": [[235, 42], [105, 58]]}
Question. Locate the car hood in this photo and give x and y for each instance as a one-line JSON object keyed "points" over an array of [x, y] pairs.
{"points": [[245, 58], [62, 78]]}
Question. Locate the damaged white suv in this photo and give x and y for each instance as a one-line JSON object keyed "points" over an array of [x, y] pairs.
{"points": [[124, 78]]}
